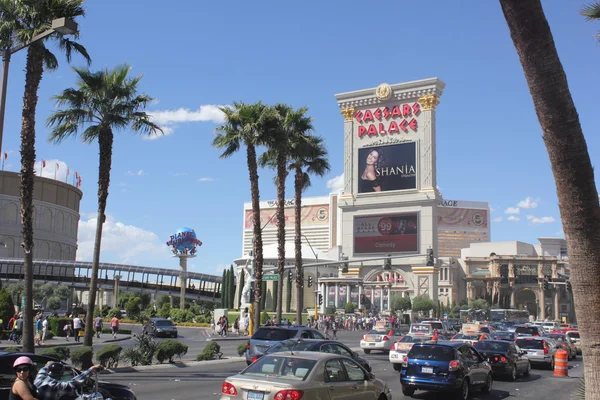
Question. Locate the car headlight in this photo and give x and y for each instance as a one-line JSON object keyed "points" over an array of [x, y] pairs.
{"points": [[158, 330]]}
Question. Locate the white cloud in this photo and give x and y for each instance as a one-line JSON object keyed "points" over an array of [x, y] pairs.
{"points": [[166, 131], [336, 184], [497, 219], [180, 174], [542, 220], [53, 169], [529, 202], [513, 218], [512, 210], [168, 119], [121, 243], [136, 173], [217, 269], [205, 179], [492, 209]]}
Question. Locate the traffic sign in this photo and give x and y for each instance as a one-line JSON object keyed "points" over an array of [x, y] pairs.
{"points": [[273, 277]]}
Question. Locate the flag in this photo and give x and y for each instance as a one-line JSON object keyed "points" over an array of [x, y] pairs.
{"points": [[68, 171], [43, 163], [57, 166], [5, 155], [79, 181], [76, 175]]}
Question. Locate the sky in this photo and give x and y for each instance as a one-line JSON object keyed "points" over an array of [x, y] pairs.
{"points": [[196, 56]]}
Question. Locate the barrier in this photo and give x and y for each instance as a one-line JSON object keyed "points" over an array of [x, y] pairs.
{"points": [[561, 363]]}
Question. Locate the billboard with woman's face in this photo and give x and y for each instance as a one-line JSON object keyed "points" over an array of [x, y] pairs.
{"points": [[385, 168], [395, 233]]}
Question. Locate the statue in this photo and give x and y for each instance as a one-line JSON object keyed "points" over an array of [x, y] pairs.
{"points": [[247, 270]]}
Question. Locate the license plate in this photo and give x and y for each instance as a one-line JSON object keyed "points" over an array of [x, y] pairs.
{"points": [[255, 395], [427, 370], [372, 344], [394, 356]]}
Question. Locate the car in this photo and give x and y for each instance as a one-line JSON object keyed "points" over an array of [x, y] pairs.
{"points": [[114, 391], [505, 358], [304, 375], [401, 348], [470, 337], [529, 330], [380, 339], [160, 327], [564, 342], [540, 350], [509, 336], [323, 346], [267, 336], [454, 367], [574, 335]]}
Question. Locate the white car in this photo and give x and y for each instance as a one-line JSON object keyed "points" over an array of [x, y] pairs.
{"points": [[401, 348], [380, 339]]}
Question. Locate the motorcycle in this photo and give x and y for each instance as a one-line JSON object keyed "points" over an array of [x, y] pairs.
{"points": [[95, 394]]}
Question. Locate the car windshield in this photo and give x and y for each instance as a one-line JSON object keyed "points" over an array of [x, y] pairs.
{"points": [[530, 344], [527, 329], [438, 353], [273, 334], [414, 339], [378, 332], [289, 346], [467, 337], [165, 322], [491, 346], [574, 335], [286, 368], [561, 338], [505, 335]]}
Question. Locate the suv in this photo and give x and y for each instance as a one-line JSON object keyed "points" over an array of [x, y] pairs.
{"points": [[528, 330], [540, 350], [445, 366], [160, 327], [267, 336]]}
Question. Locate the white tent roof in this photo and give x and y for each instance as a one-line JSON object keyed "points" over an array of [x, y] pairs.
{"points": [[270, 253]]}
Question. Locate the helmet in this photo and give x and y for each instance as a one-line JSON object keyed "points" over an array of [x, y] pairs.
{"points": [[22, 361], [55, 369]]}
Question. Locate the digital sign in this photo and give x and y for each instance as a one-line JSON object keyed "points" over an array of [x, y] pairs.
{"points": [[384, 168], [395, 233]]}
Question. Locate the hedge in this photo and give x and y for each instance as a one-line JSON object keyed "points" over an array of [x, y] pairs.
{"points": [[83, 357], [119, 331], [210, 352], [61, 353], [108, 356], [56, 326], [169, 349]]}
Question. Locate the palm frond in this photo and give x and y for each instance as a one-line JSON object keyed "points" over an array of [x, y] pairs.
{"points": [[50, 61], [591, 11]]}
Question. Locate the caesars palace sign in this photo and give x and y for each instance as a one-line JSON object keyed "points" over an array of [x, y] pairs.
{"points": [[381, 121]]}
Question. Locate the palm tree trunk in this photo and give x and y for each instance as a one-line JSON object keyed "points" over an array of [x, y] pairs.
{"points": [[281, 175], [105, 140], [258, 245], [571, 166], [298, 244], [33, 76]]}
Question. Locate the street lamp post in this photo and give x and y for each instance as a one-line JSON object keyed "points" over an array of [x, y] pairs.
{"points": [[61, 25], [316, 276]]}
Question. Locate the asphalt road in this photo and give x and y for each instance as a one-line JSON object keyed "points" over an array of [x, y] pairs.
{"points": [[203, 381]]}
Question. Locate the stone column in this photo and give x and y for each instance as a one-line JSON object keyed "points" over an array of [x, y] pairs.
{"points": [[372, 294], [427, 152], [337, 294], [348, 113], [469, 290], [542, 303], [116, 291], [513, 299], [557, 304], [182, 280], [348, 287], [359, 294], [381, 290], [554, 271], [324, 293]]}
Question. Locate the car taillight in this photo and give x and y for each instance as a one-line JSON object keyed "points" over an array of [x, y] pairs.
{"points": [[254, 359], [453, 366], [502, 359], [545, 348], [364, 337], [385, 338], [405, 360], [289, 395], [228, 388]]}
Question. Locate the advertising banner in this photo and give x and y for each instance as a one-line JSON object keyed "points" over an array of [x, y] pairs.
{"points": [[462, 219], [395, 233], [386, 168], [310, 216]]}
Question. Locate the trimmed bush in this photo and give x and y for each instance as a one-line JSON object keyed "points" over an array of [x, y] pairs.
{"points": [[61, 353], [83, 357], [108, 356], [56, 326], [119, 331], [115, 312], [264, 317], [210, 352], [168, 349], [241, 349], [13, 349]]}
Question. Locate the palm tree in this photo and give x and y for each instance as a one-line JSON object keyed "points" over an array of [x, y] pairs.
{"points": [[102, 102], [20, 22], [571, 166], [591, 12], [309, 157], [247, 124]]}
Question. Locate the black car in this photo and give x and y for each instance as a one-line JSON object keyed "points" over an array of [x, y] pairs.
{"points": [[528, 330], [454, 367], [508, 336], [505, 358], [114, 391], [160, 327], [322, 346], [267, 336]]}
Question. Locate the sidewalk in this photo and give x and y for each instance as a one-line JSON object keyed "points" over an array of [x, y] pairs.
{"points": [[61, 341]]}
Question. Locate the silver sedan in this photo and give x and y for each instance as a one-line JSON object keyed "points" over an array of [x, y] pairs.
{"points": [[304, 375]]}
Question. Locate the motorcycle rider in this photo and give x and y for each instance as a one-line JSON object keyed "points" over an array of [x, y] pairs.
{"points": [[49, 385]]}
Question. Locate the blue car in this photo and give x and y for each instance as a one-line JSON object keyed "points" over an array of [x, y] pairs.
{"points": [[454, 367]]}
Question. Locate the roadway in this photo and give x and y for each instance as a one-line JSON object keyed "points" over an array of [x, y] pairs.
{"points": [[203, 380]]}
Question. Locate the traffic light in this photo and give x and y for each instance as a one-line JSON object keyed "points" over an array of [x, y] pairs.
{"points": [[320, 299], [310, 278], [569, 287], [291, 275], [546, 285]]}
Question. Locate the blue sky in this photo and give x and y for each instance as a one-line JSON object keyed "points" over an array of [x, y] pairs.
{"points": [[195, 55]]}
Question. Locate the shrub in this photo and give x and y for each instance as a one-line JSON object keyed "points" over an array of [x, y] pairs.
{"points": [[210, 352], [108, 356], [142, 351], [105, 310], [168, 349], [115, 312], [4, 334], [133, 356], [61, 353], [119, 331], [241, 349], [7, 308], [177, 315], [13, 349], [49, 335], [83, 357], [56, 326], [349, 308], [330, 310], [264, 317]]}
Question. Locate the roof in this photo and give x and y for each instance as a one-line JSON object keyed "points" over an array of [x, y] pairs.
{"points": [[481, 272], [309, 254]]}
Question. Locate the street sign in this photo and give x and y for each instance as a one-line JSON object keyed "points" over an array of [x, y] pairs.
{"points": [[270, 277], [22, 301]]}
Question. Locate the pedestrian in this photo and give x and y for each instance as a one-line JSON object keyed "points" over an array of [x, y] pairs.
{"points": [[98, 326], [23, 387], [68, 329], [77, 325], [44, 329], [38, 330], [334, 329], [236, 326], [114, 325]]}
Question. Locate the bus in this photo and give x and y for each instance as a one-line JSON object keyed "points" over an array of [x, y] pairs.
{"points": [[505, 314], [472, 315]]}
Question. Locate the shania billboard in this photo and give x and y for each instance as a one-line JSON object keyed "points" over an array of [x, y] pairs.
{"points": [[387, 168], [395, 233]]}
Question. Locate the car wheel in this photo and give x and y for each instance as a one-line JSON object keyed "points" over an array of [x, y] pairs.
{"points": [[552, 364], [489, 382], [463, 393], [408, 391], [528, 370], [397, 367], [513, 374], [367, 351]]}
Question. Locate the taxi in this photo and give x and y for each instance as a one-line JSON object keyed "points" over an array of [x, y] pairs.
{"points": [[380, 339], [401, 348], [471, 333]]}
